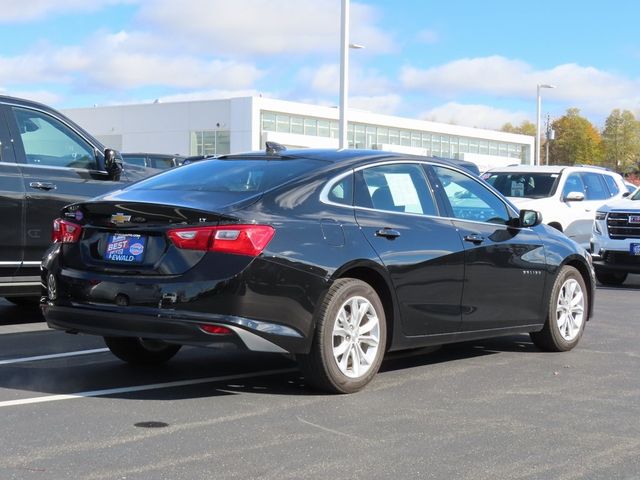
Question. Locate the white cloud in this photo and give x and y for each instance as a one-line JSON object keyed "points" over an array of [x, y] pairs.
{"points": [[325, 79], [427, 36], [589, 87], [480, 116], [261, 27], [42, 96], [386, 104], [118, 61], [25, 11]]}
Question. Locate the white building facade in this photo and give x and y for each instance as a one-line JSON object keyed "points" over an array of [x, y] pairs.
{"points": [[208, 127]]}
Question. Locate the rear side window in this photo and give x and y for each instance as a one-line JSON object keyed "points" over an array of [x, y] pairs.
{"points": [[394, 188], [611, 185], [595, 189], [230, 175]]}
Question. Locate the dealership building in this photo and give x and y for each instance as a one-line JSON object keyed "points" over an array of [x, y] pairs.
{"points": [[208, 127]]}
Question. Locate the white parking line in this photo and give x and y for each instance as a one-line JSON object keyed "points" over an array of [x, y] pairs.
{"points": [[52, 356], [24, 328], [141, 388]]}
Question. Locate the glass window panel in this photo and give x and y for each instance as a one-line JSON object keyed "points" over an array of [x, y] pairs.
{"points": [[324, 129], [416, 140], [394, 136], [310, 126], [334, 130], [297, 125], [269, 121], [473, 145], [426, 141], [383, 135], [484, 146], [493, 148], [502, 149], [405, 138], [464, 144], [282, 123]]}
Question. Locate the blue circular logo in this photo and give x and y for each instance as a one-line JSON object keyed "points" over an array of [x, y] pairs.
{"points": [[136, 249], [79, 215]]}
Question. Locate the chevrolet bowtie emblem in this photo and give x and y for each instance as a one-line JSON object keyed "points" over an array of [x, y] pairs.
{"points": [[118, 218]]}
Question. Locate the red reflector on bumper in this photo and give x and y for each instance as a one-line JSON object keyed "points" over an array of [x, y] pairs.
{"points": [[216, 329]]}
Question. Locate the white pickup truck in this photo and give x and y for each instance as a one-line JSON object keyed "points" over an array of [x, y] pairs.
{"points": [[615, 241]]}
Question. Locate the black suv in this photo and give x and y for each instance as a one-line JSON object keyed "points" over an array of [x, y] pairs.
{"points": [[46, 162]]}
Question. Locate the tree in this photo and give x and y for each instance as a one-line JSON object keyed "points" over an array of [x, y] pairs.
{"points": [[525, 128], [621, 141], [577, 140]]}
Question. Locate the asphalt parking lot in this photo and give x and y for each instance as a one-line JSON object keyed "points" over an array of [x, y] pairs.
{"points": [[493, 409]]}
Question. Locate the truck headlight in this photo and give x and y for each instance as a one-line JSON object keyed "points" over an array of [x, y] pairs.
{"points": [[601, 215]]}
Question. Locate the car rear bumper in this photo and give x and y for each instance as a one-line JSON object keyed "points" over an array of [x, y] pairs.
{"points": [[179, 327]]}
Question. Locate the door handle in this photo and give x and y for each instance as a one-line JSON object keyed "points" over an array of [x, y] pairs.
{"points": [[474, 238], [388, 233], [43, 185]]}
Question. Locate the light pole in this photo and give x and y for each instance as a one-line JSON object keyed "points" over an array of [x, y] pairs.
{"points": [[344, 74], [537, 139]]}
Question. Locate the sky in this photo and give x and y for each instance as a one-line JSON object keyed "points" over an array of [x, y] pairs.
{"points": [[467, 62]]}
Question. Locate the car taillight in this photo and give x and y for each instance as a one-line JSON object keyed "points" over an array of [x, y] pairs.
{"points": [[237, 239], [65, 231]]}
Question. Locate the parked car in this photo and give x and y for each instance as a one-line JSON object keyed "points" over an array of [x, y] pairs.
{"points": [[631, 187], [567, 197], [46, 161], [615, 242], [334, 256], [159, 161]]}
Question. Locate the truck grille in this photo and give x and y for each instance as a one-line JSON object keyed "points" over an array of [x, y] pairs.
{"points": [[621, 258], [619, 226]]}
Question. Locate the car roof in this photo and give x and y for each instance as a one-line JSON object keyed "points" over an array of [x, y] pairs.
{"points": [[549, 169], [22, 102], [345, 157], [147, 154]]}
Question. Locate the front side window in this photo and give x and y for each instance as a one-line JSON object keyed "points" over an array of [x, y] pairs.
{"points": [[469, 199], [595, 189], [48, 141], [611, 185], [394, 188], [573, 184]]}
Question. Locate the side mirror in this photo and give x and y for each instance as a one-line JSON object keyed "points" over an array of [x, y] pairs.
{"points": [[574, 197], [626, 194], [530, 218], [112, 163]]}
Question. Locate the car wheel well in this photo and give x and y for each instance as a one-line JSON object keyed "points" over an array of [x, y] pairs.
{"points": [[584, 272], [378, 283], [555, 225]]}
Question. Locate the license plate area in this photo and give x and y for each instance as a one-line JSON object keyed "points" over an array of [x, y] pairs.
{"points": [[128, 248], [634, 249]]}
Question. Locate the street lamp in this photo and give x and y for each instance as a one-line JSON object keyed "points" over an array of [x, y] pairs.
{"points": [[537, 139], [344, 74]]}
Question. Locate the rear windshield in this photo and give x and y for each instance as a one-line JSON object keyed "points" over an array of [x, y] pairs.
{"points": [[233, 175], [526, 184]]}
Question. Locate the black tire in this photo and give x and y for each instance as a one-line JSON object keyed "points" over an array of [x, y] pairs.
{"points": [[139, 351], [611, 278], [320, 367], [551, 338], [28, 302]]}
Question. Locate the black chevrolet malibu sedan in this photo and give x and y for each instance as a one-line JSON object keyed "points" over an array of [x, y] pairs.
{"points": [[334, 256]]}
